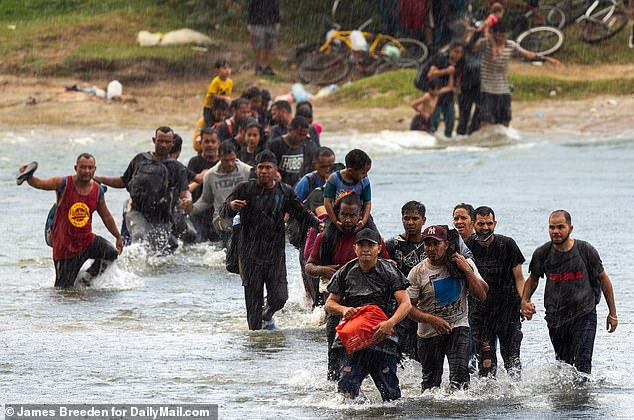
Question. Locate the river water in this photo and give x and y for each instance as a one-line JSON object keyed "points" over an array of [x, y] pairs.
{"points": [[173, 329]]}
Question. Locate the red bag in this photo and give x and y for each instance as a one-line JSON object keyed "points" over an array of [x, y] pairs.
{"points": [[356, 332]]}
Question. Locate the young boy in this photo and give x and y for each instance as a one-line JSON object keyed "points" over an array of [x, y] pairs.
{"points": [[219, 89], [426, 104], [352, 179]]}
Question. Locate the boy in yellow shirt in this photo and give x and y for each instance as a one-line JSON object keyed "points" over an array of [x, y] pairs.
{"points": [[219, 89]]}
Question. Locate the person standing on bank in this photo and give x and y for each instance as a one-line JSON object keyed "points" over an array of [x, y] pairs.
{"points": [[575, 279], [78, 197], [263, 17], [262, 203]]}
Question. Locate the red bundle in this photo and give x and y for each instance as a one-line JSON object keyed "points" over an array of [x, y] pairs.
{"points": [[357, 332]]}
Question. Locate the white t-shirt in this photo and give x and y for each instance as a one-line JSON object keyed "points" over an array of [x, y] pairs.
{"points": [[439, 294]]}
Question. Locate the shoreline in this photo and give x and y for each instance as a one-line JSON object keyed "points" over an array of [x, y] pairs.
{"points": [[33, 101]]}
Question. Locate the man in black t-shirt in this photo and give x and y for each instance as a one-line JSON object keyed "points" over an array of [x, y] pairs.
{"points": [[157, 184], [499, 261], [369, 280], [206, 159], [263, 203], [294, 154], [575, 279]]}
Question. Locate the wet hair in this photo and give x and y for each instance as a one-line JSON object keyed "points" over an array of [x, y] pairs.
{"points": [[223, 62], [303, 105], [455, 44], [178, 144], [220, 104], [484, 211], [236, 103], [163, 129], [252, 122], [324, 151], [266, 95], [564, 213], [497, 8], [298, 122], [251, 93], [434, 84], [207, 130], [283, 105], [413, 205], [501, 27], [304, 112], [266, 156], [357, 159], [85, 155], [337, 166], [349, 199], [226, 147], [467, 207], [248, 121]]}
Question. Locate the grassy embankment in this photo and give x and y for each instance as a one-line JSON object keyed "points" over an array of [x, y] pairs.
{"points": [[92, 39]]}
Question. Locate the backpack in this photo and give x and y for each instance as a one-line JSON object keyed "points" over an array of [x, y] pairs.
{"points": [[296, 230], [149, 186], [421, 81]]}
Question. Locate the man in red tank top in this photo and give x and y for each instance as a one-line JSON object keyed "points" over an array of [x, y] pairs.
{"points": [[78, 197]]}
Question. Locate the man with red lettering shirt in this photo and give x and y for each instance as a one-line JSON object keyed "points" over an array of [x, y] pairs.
{"points": [[78, 197], [575, 279], [331, 252]]}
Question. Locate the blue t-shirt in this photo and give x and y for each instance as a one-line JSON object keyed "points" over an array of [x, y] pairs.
{"points": [[335, 186], [307, 184]]}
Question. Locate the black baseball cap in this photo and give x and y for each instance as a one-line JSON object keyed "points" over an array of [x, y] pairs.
{"points": [[367, 234]]}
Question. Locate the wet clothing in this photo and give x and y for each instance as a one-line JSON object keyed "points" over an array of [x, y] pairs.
{"points": [[494, 70], [197, 164], [335, 186], [292, 162], [217, 87], [312, 137], [307, 184], [420, 123], [572, 280], [72, 225], [73, 240], [495, 109], [261, 242], [176, 183], [571, 295], [439, 294], [498, 317], [227, 130], [469, 91], [432, 352], [448, 112], [376, 287]]}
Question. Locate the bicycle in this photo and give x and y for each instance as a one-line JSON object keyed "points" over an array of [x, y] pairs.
{"points": [[334, 60], [602, 20], [541, 39]]}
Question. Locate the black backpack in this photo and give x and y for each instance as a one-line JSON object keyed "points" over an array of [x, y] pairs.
{"points": [[421, 82], [149, 187]]}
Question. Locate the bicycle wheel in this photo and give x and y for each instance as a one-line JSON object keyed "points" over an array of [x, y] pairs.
{"points": [[542, 40], [602, 25], [324, 69], [547, 15], [415, 52]]}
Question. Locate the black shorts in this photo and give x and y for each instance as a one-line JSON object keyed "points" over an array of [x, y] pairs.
{"points": [[495, 109]]}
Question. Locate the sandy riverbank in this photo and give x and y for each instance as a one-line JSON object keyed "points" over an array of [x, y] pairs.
{"points": [[27, 102]]}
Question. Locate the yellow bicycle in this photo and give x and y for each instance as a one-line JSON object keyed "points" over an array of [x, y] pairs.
{"points": [[333, 61]]}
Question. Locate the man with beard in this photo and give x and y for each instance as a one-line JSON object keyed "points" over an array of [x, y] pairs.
{"points": [[73, 241], [499, 261], [330, 251], [438, 290], [263, 202], [575, 279]]}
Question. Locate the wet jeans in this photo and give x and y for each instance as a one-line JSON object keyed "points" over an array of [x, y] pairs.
{"points": [[103, 253], [432, 352], [355, 367], [449, 115], [504, 325], [574, 342]]}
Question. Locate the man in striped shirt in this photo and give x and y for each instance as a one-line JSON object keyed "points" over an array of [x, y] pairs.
{"points": [[495, 95]]}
